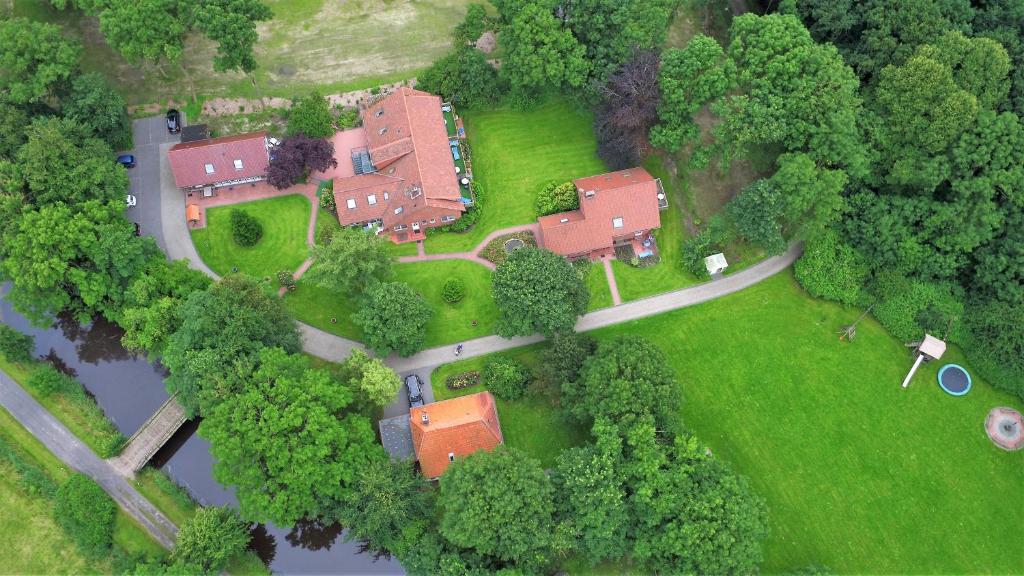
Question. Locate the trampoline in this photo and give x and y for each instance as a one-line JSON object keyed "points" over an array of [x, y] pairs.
{"points": [[954, 379]]}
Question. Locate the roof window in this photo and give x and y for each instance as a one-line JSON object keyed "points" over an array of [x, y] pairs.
{"points": [[617, 222], [238, 164], [451, 456], [386, 195], [382, 130], [398, 210], [209, 168], [351, 203], [563, 220], [589, 193], [371, 199], [379, 112]]}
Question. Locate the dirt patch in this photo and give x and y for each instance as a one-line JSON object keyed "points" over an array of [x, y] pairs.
{"points": [[487, 42]]}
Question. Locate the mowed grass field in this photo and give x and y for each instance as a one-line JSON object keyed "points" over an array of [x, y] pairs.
{"points": [[333, 45], [859, 474], [283, 246], [450, 324], [514, 154]]}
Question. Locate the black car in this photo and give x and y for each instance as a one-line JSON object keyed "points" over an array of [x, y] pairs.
{"points": [[415, 387], [173, 121]]}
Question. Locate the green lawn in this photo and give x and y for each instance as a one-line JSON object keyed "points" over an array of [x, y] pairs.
{"points": [[668, 274], [514, 154], [450, 324], [597, 284], [384, 40], [283, 247], [859, 475], [529, 424]]}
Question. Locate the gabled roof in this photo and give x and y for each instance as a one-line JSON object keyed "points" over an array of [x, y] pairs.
{"points": [[408, 142], [395, 436], [631, 195], [189, 159], [457, 427]]}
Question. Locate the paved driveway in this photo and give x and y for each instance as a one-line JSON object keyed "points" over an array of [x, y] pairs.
{"points": [[150, 134]]}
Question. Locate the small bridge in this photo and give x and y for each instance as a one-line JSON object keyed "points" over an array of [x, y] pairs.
{"points": [[150, 437]]}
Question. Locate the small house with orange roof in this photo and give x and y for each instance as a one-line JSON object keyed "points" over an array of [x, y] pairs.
{"points": [[616, 208], [438, 433]]}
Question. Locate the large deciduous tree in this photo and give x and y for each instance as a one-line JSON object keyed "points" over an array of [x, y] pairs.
{"points": [[222, 330], [385, 501], [499, 504], [538, 291], [628, 109], [757, 213], [285, 442], [350, 262], [539, 52], [463, 77], [93, 105], [150, 312], [394, 318], [296, 157], [611, 29], [375, 383], [831, 269], [36, 60], [311, 116], [626, 375], [689, 78]]}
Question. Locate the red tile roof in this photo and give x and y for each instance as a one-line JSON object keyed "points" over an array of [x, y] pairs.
{"points": [[408, 143], [458, 427], [628, 194], [189, 159], [344, 142]]}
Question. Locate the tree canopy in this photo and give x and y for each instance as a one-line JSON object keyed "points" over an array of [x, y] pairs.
{"points": [[92, 104], [311, 115], [210, 539], [394, 318], [36, 60], [538, 291], [351, 261]]}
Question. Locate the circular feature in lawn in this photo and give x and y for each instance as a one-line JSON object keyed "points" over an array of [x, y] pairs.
{"points": [[513, 244], [1005, 427], [954, 379]]}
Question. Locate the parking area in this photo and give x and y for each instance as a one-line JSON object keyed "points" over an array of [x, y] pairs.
{"points": [[401, 404], [149, 134]]}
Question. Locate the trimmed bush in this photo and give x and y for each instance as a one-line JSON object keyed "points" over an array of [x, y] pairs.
{"points": [[286, 279], [506, 379], [48, 380], [86, 513], [464, 380], [453, 291], [14, 345], [245, 229]]}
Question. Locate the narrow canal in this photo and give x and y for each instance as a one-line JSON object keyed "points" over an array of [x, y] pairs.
{"points": [[129, 389]]}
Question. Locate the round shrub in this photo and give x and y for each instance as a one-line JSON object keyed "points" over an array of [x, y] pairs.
{"points": [[86, 513], [506, 379], [245, 229], [286, 279], [14, 345], [48, 380], [327, 201], [453, 291]]}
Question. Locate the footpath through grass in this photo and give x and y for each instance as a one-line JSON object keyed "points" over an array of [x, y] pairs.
{"points": [[285, 221], [859, 475], [514, 154]]}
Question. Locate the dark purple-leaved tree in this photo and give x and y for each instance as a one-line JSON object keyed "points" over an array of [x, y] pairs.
{"points": [[297, 156], [628, 109]]}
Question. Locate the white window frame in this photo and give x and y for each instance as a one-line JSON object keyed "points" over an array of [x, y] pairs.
{"points": [[563, 220], [387, 196], [382, 131], [351, 203], [399, 210], [451, 456], [209, 168], [399, 227], [238, 164], [379, 112], [371, 199], [447, 218], [617, 222]]}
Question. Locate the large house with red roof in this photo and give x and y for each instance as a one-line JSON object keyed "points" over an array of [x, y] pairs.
{"points": [[438, 433], [402, 178], [615, 209], [218, 162]]}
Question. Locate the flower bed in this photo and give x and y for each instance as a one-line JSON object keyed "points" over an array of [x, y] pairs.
{"points": [[495, 249], [464, 380]]}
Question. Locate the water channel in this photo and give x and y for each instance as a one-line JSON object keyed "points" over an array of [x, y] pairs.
{"points": [[129, 389]]}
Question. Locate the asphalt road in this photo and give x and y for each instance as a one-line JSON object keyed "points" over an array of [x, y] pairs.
{"points": [[150, 134], [68, 448]]}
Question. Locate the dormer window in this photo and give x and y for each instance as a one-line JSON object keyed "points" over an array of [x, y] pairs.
{"points": [[379, 112], [371, 199], [617, 222], [382, 130], [563, 220], [351, 203], [589, 194], [238, 164], [209, 168], [398, 210]]}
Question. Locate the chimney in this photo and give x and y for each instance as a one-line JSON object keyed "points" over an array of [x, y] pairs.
{"points": [[424, 418]]}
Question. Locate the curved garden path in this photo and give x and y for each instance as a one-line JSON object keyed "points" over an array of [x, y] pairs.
{"points": [[335, 348]]}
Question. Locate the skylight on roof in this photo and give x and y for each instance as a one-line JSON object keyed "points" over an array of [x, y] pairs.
{"points": [[209, 168], [238, 164], [617, 222]]}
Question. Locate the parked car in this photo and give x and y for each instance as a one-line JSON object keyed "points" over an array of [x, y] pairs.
{"points": [[415, 387], [126, 160], [173, 121]]}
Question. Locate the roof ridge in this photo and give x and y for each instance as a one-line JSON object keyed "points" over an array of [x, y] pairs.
{"points": [[412, 139]]}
